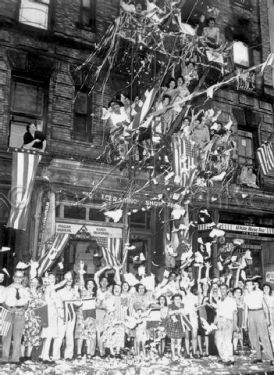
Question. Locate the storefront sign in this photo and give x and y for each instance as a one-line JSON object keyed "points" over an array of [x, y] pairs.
{"points": [[240, 228], [110, 198], [94, 230]]}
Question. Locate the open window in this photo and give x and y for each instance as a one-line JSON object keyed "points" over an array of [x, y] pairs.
{"points": [[34, 13], [246, 150], [241, 56], [27, 105]]}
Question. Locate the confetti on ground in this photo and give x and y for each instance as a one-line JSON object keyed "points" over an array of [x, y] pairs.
{"points": [[140, 366]]}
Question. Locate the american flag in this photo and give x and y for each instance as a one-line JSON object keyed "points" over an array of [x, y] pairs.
{"points": [[5, 321], [24, 167], [265, 154], [112, 250], [184, 161], [57, 247], [140, 116]]}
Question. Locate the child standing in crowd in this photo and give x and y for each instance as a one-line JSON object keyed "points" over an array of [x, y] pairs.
{"points": [[85, 329], [238, 332], [67, 298], [114, 328], [162, 300], [174, 326], [50, 332]]}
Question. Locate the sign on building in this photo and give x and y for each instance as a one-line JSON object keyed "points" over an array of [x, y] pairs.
{"points": [[94, 230]]}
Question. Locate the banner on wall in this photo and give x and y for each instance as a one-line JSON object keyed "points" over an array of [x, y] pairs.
{"points": [[94, 230]]}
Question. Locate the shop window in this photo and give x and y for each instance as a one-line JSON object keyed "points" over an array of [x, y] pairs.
{"points": [[140, 219], [82, 121], [245, 148], [58, 210], [96, 215], [74, 212], [27, 105], [34, 13], [88, 14], [241, 54]]}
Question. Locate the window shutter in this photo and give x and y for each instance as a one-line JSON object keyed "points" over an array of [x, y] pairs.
{"points": [[239, 115], [81, 103]]}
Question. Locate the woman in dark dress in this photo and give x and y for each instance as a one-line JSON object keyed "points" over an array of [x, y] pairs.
{"points": [[34, 139]]}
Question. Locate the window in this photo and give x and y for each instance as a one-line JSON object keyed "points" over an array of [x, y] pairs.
{"points": [[82, 117], [140, 219], [245, 148], [34, 13], [74, 212], [88, 13], [27, 98], [27, 105], [241, 54], [96, 215]]}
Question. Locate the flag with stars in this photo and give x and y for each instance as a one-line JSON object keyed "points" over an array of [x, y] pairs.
{"points": [[56, 249]]}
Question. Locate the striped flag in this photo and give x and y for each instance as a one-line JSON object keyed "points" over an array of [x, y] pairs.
{"points": [[5, 321], [186, 323], [184, 161], [69, 310], [56, 249], [140, 116], [265, 155], [89, 308], [24, 167], [111, 249]]}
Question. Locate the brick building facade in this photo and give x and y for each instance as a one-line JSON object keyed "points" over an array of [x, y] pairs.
{"points": [[37, 61]]}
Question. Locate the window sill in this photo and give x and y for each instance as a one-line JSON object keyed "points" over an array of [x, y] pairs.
{"points": [[81, 140], [90, 29]]}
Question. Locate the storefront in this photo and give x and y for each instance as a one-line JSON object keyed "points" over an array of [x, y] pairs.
{"points": [[88, 231], [238, 238]]}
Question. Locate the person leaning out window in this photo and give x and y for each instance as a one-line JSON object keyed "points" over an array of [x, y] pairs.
{"points": [[34, 139]]}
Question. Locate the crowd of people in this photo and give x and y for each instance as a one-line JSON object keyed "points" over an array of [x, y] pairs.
{"points": [[120, 314]]}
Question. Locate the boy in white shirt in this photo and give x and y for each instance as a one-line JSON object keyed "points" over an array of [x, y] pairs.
{"points": [[226, 321]]}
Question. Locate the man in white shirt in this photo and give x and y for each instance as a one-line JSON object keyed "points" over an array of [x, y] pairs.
{"points": [[257, 319], [16, 300], [226, 321], [67, 297]]}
